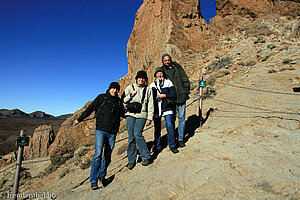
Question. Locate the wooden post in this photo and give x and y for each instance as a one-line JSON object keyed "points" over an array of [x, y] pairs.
{"points": [[18, 168], [200, 100]]}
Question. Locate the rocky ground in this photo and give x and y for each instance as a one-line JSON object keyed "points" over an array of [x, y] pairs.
{"points": [[248, 147]]}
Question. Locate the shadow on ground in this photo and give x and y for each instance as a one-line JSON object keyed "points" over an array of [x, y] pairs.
{"points": [[191, 125]]}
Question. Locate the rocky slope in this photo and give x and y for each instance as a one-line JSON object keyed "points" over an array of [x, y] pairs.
{"points": [[247, 147]]}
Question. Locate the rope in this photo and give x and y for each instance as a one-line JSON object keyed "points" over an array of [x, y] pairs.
{"points": [[274, 111], [253, 89], [3, 170], [259, 90]]}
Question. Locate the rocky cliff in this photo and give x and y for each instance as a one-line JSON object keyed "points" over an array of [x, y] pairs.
{"points": [[178, 28]]}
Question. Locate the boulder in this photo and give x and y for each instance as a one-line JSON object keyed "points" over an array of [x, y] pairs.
{"points": [[39, 143]]}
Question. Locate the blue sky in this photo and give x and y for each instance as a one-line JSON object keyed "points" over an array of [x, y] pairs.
{"points": [[56, 55]]}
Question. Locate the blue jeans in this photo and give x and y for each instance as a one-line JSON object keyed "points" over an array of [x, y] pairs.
{"points": [[136, 139], [181, 120], [170, 131], [99, 168]]}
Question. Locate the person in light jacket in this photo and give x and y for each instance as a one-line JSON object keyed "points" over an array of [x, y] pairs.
{"points": [[164, 103], [136, 121]]}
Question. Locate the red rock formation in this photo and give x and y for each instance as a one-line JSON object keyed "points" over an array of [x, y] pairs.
{"points": [[236, 16], [178, 28], [257, 8], [162, 26], [39, 143], [70, 137]]}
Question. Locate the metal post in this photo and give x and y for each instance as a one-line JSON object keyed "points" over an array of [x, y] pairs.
{"points": [[200, 100], [18, 168]]}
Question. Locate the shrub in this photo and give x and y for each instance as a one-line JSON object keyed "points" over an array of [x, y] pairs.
{"points": [[222, 73], [251, 63], [211, 80], [220, 63], [64, 172], [271, 46], [287, 61], [86, 164], [2, 182], [260, 39], [272, 71], [286, 69], [209, 92]]}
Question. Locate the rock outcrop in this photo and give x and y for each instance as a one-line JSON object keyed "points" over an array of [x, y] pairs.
{"points": [[69, 137], [39, 143], [178, 28], [175, 27]]}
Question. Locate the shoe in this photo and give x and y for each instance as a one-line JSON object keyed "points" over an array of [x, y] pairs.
{"points": [[146, 162], [130, 166], [181, 144], [174, 150], [102, 181], [94, 186], [157, 151]]}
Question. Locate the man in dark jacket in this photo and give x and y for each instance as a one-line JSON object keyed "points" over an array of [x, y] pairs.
{"points": [[177, 75], [108, 110]]}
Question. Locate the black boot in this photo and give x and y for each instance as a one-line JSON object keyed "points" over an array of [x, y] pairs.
{"points": [[174, 150], [130, 166], [181, 144]]}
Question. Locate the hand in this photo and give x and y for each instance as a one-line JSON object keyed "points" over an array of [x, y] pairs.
{"points": [[161, 96], [75, 122], [133, 93], [148, 122]]}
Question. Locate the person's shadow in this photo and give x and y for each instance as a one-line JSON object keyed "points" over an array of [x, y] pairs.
{"points": [[191, 125], [107, 181]]}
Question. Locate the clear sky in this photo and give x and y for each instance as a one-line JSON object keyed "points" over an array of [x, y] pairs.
{"points": [[55, 55]]}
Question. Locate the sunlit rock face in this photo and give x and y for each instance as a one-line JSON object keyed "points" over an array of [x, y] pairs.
{"points": [[178, 28]]}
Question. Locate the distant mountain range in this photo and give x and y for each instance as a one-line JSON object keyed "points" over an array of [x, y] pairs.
{"points": [[16, 113]]}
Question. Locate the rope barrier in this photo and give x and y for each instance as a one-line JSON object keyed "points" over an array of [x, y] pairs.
{"points": [[259, 90], [274, 111], [3, 170]]}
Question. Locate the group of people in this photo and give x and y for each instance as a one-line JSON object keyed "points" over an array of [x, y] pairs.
{"points": [[163, 98]]}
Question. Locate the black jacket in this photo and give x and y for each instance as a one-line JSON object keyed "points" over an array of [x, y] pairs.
{"points": [[108, 110]]}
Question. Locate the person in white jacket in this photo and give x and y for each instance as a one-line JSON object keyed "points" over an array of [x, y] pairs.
{"points": [[164, 105]]}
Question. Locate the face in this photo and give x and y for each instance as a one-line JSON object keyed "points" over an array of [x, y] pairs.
{"points": [[140, 81], [167, 60], [159, 75], [113, 91]]}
